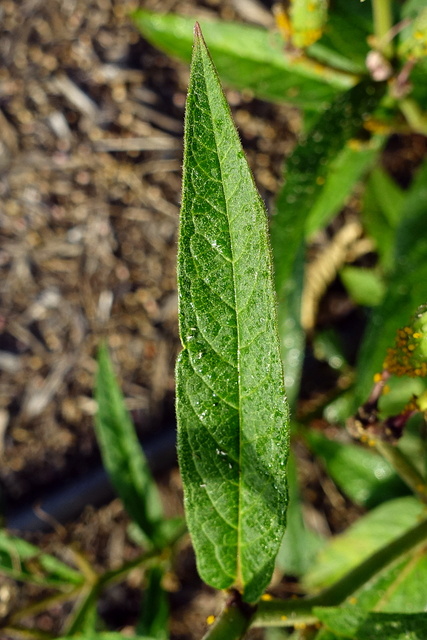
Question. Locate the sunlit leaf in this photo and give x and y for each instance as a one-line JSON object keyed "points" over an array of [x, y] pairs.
{"points": [[264, 67], [357, 624], [361, 474], [232, 413], [371, 532]]}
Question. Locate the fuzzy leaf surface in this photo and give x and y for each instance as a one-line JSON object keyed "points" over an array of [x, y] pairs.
{"points": [[231, 408]]}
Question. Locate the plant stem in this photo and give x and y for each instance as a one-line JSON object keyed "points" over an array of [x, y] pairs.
{"points": [[28, 633], [43, 604], [279, 613], [404, 468], [383, 22], [233, 622]]}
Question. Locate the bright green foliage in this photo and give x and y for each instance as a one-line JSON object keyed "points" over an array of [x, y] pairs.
{"points": [[343, 44], [155, 607], [308, 167], [362, 474], [358, 624], [299, 544], [25, 562], [399, 588], [263, 67], [122, 454], [231, 408], [365, 286], [382, 204], [306, 172], [406, 286], [307, 19], [344, 172], [413, 40], [368, 534]]}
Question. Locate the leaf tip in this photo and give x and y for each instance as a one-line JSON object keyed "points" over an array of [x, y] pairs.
{"points": [[197, 31]]}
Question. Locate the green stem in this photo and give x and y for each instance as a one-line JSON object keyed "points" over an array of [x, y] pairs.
{"points": [[233, 622], [278, 613], [44, 604], [404, 468], [80, 612], [383, 23]]}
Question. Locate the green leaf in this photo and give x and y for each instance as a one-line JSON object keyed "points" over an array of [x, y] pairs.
{"points": [[344, 172], [248, 57], [362, 474], [365, 286], [382, 203], [231, 408], [299, 544], [306, 172], [154, 616], [26, 563], [406, 286], [122, 455], [371, 532], [344, 42], [357, 624], [399, 588]]}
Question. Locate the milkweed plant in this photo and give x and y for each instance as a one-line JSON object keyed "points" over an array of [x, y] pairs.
{"points": [[247, 320]]}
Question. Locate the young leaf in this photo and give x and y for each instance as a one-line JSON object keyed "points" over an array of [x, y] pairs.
{"points": [[368, 534], [264, 67], [343, 44], [153, 620], [362, 474], [299, 544], [231, 408], [400, 587], [122, 455], [365, 287], [26, 563], [344, 172], [356, 624]]}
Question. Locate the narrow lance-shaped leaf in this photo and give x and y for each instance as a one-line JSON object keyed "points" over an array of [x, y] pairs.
{"points": [[231, 408], [122, 454]]}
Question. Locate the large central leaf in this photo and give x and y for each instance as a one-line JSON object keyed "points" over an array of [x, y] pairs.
{"points": [[232, 412]]}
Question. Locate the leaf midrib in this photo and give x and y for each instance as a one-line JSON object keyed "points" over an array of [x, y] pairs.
{"points": [[223, 182]]}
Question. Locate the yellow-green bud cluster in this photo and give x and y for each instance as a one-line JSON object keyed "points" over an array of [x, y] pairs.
{"points": [[413, 41], [308, 17], [409, 355]]}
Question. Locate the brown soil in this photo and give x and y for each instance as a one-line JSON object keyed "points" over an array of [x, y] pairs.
{"points": [[91, 120]]}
